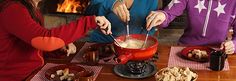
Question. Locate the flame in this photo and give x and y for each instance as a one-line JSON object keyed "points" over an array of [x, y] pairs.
{"points": [[68, 6]]}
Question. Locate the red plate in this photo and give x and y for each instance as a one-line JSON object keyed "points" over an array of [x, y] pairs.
{"points": [[76, 70], [185, 51]]}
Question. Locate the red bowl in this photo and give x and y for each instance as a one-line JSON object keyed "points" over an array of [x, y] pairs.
{"points": [[185, 51], [126, 54]]}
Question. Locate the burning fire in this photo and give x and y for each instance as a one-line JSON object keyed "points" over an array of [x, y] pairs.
{"points": [[68, 6]]}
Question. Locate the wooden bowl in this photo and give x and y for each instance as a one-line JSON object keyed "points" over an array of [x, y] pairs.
{"points": [[164, 70]]}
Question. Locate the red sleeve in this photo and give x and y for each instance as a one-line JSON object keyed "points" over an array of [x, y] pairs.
{"points": [[16, 20]]}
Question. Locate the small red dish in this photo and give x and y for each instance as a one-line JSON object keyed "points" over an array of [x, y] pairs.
{"points": [[76, 70], [185, 51]]}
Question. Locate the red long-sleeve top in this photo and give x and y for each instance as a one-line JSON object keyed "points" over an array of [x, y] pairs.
{"points": [[22, 40]]}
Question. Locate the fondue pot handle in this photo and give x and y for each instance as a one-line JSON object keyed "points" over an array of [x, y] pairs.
{"points": [[122, 59]]}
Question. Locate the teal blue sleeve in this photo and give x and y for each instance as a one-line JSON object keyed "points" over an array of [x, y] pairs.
{"points": [[99, 7], [106, 7], [154, 6], [94, 2]]}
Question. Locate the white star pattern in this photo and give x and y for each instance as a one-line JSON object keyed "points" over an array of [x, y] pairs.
{"points": [[220, 9], [172, 3], [200, 6], [233, 16]]}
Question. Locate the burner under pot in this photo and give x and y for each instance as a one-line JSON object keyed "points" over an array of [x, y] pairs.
{"points": [[136, 67]]}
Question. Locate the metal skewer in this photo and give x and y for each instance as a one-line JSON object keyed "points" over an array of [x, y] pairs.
{"points": [[115, 39], [127, 23], [145, 41], [127, 28], [127, 37]]}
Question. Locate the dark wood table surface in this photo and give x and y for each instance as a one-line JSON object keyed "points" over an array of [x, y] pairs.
{"points": [[107, 74]]}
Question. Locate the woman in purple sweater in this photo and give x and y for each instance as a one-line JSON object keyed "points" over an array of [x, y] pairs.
{"points": [[208, 21]]}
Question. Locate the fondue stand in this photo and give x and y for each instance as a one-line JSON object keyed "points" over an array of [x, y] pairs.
{"points": [[135, 63]]}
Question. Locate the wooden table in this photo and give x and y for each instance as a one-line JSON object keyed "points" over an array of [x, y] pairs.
{"points": [[107, 74]]}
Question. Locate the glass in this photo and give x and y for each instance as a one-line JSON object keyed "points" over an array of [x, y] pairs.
{"points": [[91, 56], [217, 60]]}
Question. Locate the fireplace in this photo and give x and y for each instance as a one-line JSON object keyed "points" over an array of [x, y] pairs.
{"points": [[64, 6], [53, 17]]}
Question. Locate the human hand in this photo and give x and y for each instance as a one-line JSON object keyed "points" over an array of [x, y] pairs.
{"points": [[36, 2], [155, 18], [104, 24], [228, 47], [121, 10], [70, 49]]}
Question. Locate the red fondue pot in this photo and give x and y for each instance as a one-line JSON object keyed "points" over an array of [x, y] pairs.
{"points": [[126, 54]]}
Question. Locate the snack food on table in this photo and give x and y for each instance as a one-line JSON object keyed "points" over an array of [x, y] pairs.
{"points": [[64, 75], [198, 54], [176, 74]]}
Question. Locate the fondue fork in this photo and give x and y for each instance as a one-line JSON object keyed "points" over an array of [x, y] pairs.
{"points": [[127, 37], [127, 23], [145, 41], [127, 28], [115, 40]]}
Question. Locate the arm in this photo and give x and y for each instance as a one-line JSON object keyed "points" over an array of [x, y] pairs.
{"points": [[105, 7], [153, 6], [172, 12], [229, 45], [17, 21], [234, 34], [118, 7], [164, 17], [93, 7]]}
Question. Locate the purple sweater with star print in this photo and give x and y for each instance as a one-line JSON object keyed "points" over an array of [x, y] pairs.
{"points": [[208, 20]]}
